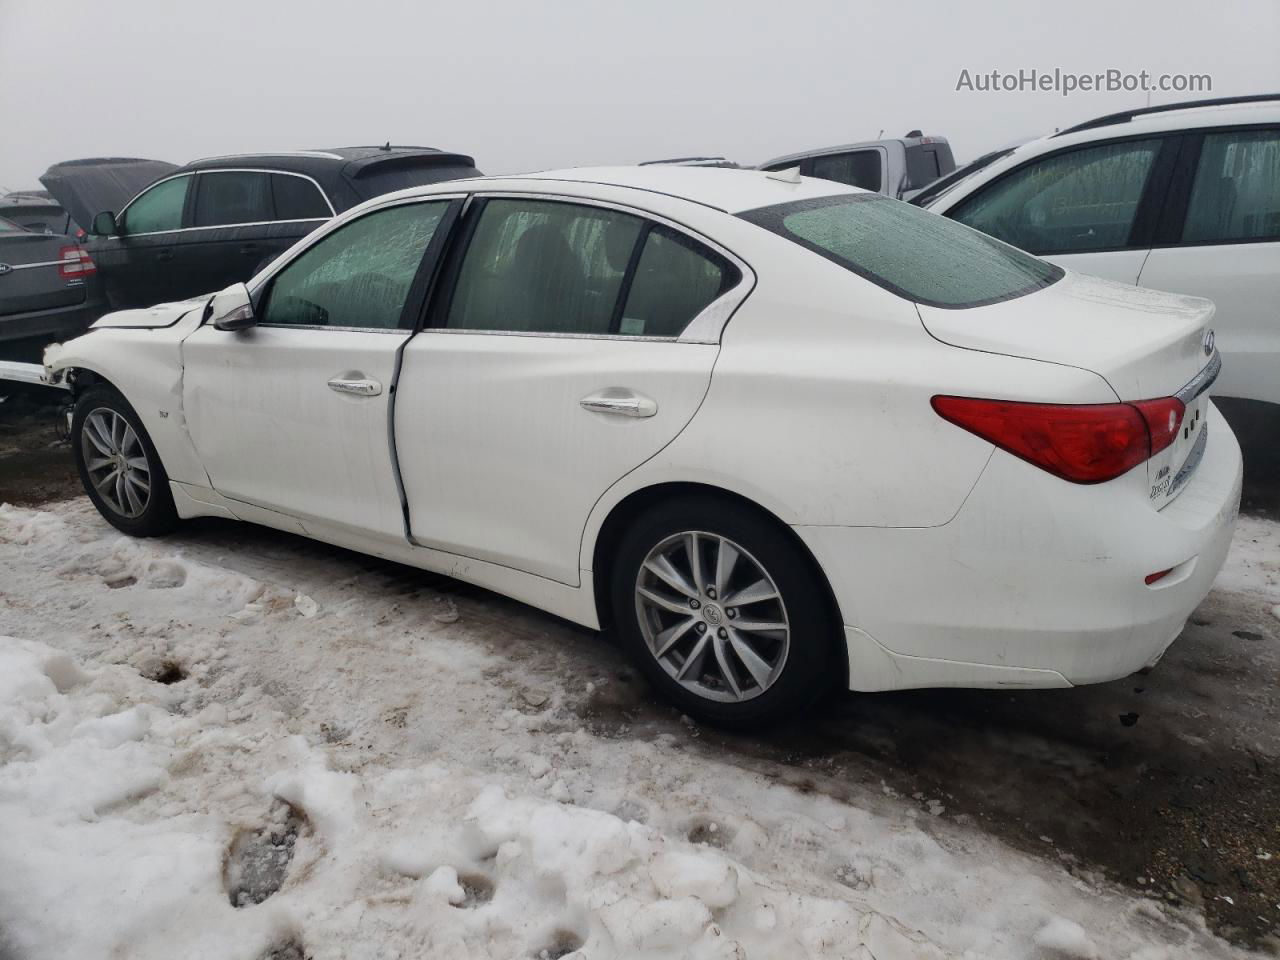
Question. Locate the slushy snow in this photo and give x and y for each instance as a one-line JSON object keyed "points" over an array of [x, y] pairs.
{"points": [[195, 763]]}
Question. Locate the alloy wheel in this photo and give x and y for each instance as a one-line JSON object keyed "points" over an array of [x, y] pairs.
{"points": [[712, 616], [116, 462]]}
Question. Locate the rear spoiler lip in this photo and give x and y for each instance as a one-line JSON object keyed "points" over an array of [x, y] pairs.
{"points": [[32, 373], [355, 169]]}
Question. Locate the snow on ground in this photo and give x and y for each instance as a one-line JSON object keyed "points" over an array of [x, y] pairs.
{"points": [[286, 751]]}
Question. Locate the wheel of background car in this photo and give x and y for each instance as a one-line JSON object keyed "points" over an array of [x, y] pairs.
{"points": [[118, 464], [723, 612]]}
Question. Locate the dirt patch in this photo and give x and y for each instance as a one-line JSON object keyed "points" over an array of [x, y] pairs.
{"points": [[35, 463], [258, 860]]}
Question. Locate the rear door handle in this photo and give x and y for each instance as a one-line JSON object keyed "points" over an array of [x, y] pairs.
{"points": [[620, 402], [357, 386], [248, 248]]}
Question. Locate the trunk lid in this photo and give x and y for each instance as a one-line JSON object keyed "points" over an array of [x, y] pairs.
{"points": [[1145, 343], [30, 279]]}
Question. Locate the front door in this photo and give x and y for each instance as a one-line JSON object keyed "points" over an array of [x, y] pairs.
{"points": [[139, 265], [1088, 208], [292, 415], [553, 366]]}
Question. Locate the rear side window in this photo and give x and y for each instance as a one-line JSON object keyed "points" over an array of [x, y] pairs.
{"points": [[917, 255], [1236, 193], [676, 279], [159, 209], [237, 196], [858, 169], [297, 198], [537, 266]]}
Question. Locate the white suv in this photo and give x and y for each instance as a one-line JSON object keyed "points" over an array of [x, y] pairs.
{"points": [[1182, 197]]}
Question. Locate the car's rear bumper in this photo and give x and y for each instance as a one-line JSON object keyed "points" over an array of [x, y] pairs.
{"points": [[57, 323], [1035, 582]]}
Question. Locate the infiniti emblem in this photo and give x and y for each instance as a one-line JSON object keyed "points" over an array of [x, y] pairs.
{"points": [[1208, 344], [5, 268], [712, 614]]}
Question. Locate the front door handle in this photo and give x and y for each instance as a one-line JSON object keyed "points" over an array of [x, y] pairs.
{"points": [[164, 256], [620, 402], [357, 386]]}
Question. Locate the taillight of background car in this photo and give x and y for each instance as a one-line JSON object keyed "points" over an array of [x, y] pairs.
{"points": [[75, 262]]}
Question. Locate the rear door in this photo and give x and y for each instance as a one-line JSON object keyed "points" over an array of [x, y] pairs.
{"points": [[1091, 208], [564, 352], [292, 415], [242, 219], [1221, 240]]}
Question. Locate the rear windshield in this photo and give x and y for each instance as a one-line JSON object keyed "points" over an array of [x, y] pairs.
{"points": [[8, 226], [918, 255]]}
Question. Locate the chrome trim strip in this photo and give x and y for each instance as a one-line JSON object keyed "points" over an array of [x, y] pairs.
{"points": [[312, 326], [43, 263], [1202, 381], [561, 335], [255, 223], [1189, 465]]}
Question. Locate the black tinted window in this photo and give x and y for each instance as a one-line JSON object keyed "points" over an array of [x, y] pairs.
{"points": [[917, 255], [537, 266], [675, 279], [237, 196], [858, 169], [297, 198]]}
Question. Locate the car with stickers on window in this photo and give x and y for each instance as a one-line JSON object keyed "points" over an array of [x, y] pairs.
{"points": [[1181, 196], [782, 434], [216, 221]]}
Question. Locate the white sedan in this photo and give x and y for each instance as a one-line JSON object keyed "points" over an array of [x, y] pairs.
{"points": [[782, 434]]}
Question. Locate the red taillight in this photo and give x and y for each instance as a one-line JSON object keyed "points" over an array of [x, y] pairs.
{"points": [[1164, 417], [1156, 577], [75, 262], [1082, 443]]}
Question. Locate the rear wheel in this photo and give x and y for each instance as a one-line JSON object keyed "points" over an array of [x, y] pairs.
{"points": [[118, 465], [723, 612]]}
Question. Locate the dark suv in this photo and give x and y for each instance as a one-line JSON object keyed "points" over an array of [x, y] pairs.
{"points": [[213, 222]]}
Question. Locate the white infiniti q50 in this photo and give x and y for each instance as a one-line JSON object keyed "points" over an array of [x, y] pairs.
{"points": [[780, 433]]}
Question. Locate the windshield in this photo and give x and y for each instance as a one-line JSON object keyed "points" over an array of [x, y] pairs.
{"points": [[915, 254]]}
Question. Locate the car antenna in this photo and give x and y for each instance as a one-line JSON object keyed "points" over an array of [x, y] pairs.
{"points": [[387, 146]]}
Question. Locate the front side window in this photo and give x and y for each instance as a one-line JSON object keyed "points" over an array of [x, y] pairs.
{"points": [[237, 196], [540, 266], [1236, 192], [915, 254], [1070, 202], [159, 209], [858, 169], [358, 276], [297, 198]]}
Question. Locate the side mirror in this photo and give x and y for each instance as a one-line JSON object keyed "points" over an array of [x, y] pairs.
{"points": [[104, 224], [232, 309]]}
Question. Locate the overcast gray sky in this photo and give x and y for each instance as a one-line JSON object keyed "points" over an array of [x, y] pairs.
{"points": [[533, 85]]}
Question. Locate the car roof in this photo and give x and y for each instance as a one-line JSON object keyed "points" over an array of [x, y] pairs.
{"points": [[350, 159], [722, 188]]}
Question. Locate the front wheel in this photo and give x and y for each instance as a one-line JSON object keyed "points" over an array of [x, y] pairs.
{"points": [[723, 612], [118, 464]]}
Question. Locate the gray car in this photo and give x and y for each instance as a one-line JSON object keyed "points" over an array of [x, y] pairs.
{"points": [[49, 286], [897, 167]]}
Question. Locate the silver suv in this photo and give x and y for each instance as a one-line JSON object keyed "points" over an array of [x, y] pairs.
{"points": [[898, 168]]}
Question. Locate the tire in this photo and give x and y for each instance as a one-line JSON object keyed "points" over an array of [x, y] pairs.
{"points": [[791, 669], [106, 434]]}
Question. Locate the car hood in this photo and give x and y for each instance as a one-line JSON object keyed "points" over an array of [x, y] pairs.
{"points": [[87, 187], [151, 318]]}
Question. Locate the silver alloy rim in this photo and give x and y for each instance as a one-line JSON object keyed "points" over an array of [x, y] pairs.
{"points": [[116, 463], [712, 616]]}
